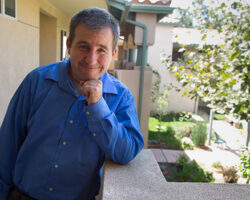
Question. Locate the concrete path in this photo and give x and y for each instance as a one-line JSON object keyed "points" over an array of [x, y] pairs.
{"points": [[234, 137]]}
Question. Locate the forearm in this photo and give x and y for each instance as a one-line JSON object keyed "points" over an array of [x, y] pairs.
{"points": [[120, 139]]}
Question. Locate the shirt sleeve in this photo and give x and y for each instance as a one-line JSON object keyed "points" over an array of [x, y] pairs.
{"points": [[117, 133], [12, 133]]}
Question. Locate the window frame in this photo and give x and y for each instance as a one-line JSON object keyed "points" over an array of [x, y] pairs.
{"points": [[2, 10], [63, 33]]}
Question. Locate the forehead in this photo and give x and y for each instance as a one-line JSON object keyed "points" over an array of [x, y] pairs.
{"points": [[103, 35]]}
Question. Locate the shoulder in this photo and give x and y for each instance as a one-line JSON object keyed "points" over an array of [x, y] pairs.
{"points": [[45, 71], [50, 71], [114, 86]]}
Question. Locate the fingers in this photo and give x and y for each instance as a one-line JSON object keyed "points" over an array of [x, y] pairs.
{"points": [[92, 90]]}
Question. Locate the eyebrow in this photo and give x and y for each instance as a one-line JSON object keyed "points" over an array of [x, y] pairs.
{"points": [[100, 45]]}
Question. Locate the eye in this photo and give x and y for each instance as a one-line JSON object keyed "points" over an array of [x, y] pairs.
{"points": [[84, 47], [101, 50]]}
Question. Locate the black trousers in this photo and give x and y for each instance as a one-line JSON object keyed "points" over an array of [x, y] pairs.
{"points": [[16, 194]]}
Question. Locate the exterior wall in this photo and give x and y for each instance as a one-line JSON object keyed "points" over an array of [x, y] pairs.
{"points": [[164, 43], [131, 78], [19, 45], [150, 21], [48, 38]]}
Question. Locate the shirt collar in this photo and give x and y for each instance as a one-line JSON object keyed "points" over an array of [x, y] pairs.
{"points": [[60, 73]]}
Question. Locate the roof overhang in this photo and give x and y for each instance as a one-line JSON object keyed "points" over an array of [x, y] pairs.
{"points": [[119, 7], [69, 8]]}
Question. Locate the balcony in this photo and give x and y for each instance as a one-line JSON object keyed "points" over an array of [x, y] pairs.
{"points": [[142, 179]]}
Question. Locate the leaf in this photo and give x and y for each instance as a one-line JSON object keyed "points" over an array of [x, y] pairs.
{"points": [[204, 37], [185, 92]]}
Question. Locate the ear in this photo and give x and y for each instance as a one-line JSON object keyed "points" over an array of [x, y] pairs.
{"points": [[68, 45], [114, 52]]}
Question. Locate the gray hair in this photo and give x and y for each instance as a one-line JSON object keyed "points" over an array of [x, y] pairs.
{"points": [[95, 19]]}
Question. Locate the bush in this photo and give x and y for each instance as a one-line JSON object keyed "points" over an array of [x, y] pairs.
{"points": [[230, 174], [187, 143], [217, 165], [199, 134], [171, 141], [191, 172], [219, 117], [172, 117], [245, 163]]}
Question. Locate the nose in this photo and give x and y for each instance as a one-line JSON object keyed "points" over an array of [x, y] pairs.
{"points": [[91, 58]]}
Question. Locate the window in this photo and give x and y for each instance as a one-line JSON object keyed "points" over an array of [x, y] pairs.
{"points": [[176, 54], [63, 44], [8, 7]]}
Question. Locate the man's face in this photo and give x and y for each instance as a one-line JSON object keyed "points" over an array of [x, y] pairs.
{"points": [[90, 52]]}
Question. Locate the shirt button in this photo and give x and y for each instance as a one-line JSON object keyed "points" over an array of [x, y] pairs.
{"points": [[71, 121], [56, 165], [64, 143], [50, 189], [94, 134], [87, 113]]}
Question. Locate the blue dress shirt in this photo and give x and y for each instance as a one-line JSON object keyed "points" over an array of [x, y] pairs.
{"points": [[52, 145]]}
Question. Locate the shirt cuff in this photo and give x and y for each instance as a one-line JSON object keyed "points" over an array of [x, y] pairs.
{"points": [[96, 112]]}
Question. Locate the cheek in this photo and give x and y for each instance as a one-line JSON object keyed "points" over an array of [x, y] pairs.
{"points": [[105, 60]]}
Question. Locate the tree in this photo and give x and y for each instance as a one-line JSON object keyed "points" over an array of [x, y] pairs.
{"points": [[219, 74]]}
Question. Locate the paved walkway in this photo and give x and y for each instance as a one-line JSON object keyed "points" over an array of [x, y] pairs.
{"points": [[234, 137], [227, 155]]}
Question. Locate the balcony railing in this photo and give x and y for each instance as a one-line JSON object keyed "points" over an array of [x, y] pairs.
{"points": [[142, 179]]}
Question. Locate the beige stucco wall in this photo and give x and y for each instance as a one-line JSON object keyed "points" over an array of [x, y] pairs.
{"points": [[164, 43], [131, 78], [150, 21], [19, 45], [48, 39]]}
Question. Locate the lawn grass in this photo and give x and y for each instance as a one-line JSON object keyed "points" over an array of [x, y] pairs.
{"points": [[170, 133], [178, 126]]}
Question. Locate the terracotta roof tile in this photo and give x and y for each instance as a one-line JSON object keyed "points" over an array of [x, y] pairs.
{"points": [[151, 2]]}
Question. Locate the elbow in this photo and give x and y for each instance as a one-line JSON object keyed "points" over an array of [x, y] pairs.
{"points": [[129, 155]]}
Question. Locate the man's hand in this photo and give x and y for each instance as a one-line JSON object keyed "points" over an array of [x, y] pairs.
{"points": [[92, 90]]}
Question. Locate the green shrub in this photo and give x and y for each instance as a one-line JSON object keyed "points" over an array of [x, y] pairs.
{"points": [[199, 134], [219, 117], [217, 165], [191, 172], [244, 166], [187, 143], [170, 130]]}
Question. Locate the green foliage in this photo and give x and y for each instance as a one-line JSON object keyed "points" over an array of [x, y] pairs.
{"points": [[244, 166], [170, 135], [155, 86], [199, 134], [219, 74], [217, 165], [191, 172], [219, 117], [187, 146], [162, 106], [172, 117]]}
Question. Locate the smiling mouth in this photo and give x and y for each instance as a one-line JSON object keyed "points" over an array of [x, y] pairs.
{"points": [[92, 68], [86, 66]]}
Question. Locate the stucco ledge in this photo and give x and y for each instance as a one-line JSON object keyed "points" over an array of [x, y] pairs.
{"points": [[142, 179]]}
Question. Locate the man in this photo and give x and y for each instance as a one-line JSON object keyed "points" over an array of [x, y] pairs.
{"points": [[66, 117]]}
